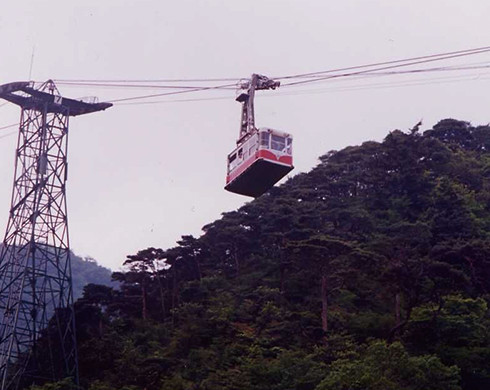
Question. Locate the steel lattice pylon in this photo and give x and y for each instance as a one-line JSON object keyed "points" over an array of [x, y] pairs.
{"points": [[36, 297]]}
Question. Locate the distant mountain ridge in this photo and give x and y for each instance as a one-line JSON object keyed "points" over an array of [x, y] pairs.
{"points": [[85, 271]]}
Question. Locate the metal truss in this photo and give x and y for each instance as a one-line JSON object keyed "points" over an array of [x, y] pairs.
{"points": [[36, 296]]}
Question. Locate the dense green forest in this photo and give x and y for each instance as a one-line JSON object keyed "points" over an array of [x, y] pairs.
{"points": [[372, 271]]}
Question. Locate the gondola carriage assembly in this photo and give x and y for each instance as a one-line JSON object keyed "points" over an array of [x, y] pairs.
{"points": [[263, 156]]}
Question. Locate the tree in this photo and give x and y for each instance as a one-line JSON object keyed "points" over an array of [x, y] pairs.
{"points": [[389, 367], [458, 332], [322, 252], [143, 267], [65, 384]]}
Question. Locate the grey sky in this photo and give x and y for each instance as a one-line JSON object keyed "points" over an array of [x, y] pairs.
{"points": [[143, 175]]}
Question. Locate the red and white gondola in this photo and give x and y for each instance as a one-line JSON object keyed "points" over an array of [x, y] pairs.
{"points": [[262, 156], [259, 162]]}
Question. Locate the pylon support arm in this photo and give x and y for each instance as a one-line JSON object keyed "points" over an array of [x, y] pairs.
{"points": [[246, 97], [23, 94]]}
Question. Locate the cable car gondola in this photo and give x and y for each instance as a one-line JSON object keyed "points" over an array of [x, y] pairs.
{"points": [[262, 156]]}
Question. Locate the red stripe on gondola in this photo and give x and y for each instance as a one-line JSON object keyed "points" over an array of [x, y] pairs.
{"points": [[241, 168], [261, 154], [286, 160], [267, 154]]}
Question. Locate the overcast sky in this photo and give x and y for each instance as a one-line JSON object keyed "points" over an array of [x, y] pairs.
{"points": [[143, 175]]}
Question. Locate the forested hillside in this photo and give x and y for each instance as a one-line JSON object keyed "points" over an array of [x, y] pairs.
{"points": [[372, 271]]}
